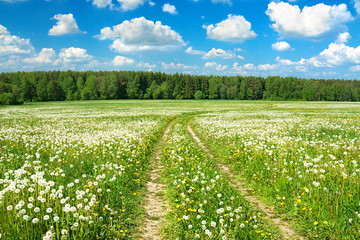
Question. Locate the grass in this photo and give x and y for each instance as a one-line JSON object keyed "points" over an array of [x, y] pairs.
{"points": [[88, 162]]}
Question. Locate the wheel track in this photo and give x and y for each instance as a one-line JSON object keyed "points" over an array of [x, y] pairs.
{"points": [[284, 226], [155, 205]]}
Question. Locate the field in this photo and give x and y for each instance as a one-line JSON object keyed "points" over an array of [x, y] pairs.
{"points": [[80, 170]]}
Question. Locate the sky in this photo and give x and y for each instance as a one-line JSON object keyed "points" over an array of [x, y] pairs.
{"points": [[310, 39]]}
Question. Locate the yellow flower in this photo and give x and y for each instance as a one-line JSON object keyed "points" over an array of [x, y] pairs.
{"points": [[316, 223], [325, 222], [299, 200]]}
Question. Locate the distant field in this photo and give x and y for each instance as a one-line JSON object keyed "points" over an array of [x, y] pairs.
{"points": [[77, 170]]}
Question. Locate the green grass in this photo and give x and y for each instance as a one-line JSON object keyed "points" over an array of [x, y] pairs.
{"points": [[59, 150]]}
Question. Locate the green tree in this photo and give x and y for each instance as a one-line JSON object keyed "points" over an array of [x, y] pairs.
{"points": [[132, 87], [199, 95]]}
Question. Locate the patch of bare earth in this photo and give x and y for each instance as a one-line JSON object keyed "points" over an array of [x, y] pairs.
{"points": [[155, 205], [284, 226]]}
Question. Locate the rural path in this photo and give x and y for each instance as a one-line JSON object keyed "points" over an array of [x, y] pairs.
{"points": [[284, 226], [155, 204]]}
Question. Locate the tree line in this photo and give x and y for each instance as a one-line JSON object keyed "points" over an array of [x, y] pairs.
{"points": [[20, 87]]}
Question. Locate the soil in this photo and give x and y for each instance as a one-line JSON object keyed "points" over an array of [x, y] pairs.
{"points": [[155, 205]]}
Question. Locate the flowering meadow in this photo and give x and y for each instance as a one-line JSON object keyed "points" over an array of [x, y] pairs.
{"points": [[73, 173], [78, 170], [303, 159], [205, 206]]}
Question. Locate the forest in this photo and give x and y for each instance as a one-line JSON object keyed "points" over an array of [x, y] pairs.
{"points": [[20, 87]]}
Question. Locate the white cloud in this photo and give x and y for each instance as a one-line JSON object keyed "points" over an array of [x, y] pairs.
{"points": [[249, 66], [102, 3], [149, 66], [335, 55], [233, 29], [265, 67], [151, 3], [222, 1], [140, 34], [281, 46], [214, 65], [339, 53], [355, 68], [343, 37], [169, 8], [11, 44], [121, 60], [243, 70], [72, 54], [220, 53], [213, 53], [312, 21], [357, 5], [192, 51], [124, 5], [66, 24], [176, 66], [130, 4], [46, 56]]}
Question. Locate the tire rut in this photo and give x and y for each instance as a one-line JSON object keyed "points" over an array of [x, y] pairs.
{"points": [[284, 226], [156, 208]]}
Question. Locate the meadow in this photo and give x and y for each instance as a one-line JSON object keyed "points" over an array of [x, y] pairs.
{"points": [[77, 170]]}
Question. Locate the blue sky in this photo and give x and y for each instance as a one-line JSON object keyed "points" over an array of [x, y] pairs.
{"points": [[312, 39]]}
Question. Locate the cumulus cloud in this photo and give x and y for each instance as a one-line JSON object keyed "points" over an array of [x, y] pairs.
{"points": [[177, 66], [213, 53], [121, 61], [192, 51], [11, 44], [66, 24], [265, 67], [124, 5], [339, 53], [357, 6], [140, 34], [233, 29], [214, 65], [309, 22], [355, 68], [72, 54], [281, 46], [102, 3], [336, 54], [169, 8], [46, 56], [220, 53], [146, 65], [343, 37], [244, 69], [130, 4]]}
